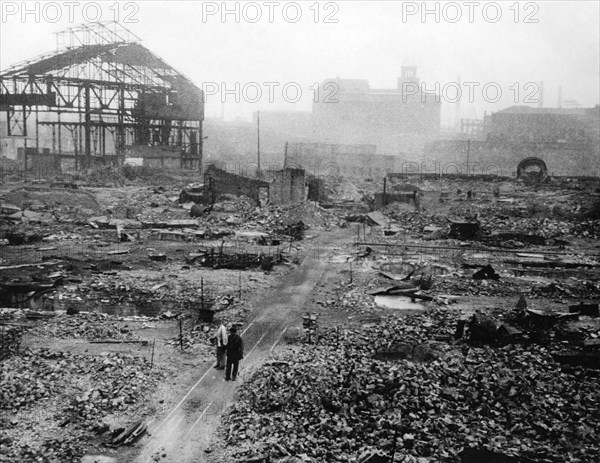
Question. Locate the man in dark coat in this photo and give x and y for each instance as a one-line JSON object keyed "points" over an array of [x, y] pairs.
{"points": [[235, 353]]}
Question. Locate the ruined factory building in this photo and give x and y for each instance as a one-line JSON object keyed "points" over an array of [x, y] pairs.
{"points": [[102, 98]]}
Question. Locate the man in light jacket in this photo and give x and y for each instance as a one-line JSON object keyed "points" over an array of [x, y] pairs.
{"points": [[221, 346]]}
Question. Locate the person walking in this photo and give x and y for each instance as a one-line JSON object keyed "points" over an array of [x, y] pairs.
{"points": [[221, 347], [235, 353]]}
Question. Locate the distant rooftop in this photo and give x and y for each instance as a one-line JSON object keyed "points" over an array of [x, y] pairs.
{"points": [[532, 110]]}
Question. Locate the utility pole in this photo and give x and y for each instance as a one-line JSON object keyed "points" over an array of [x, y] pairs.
{"points": [[181, 331], [468, 154], [202, 296], [258, 140]]}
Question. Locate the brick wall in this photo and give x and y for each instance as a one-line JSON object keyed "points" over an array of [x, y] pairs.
{"points": [[218, 182], [288, 187]]}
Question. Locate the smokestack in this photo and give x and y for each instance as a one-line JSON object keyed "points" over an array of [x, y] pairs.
{"points": [[559, 102], [541, 100]]}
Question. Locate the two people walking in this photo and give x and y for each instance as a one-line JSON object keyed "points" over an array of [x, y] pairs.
{"points": [[230, 350]]}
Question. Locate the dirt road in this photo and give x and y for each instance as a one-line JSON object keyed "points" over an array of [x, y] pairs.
{"points": [[182, 435]]}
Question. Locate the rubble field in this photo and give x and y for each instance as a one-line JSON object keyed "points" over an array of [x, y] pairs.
{"points": [[114, 291], [457, 324], [344, 400], [439, 344]]}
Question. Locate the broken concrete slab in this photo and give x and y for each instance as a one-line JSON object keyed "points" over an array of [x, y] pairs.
{"points": [[9, 209], [378, 218], [390, 289]]}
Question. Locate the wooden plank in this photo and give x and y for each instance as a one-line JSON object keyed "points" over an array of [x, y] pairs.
{"points": [[113, 341]]}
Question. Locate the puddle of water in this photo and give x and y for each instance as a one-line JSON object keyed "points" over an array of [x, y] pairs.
{"points": [[398, 303], [97, 459]]}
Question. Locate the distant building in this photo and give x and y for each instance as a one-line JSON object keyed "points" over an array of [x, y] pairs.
{"points": [[323, 160], [566, 139], [555, 125], [395, 120]]}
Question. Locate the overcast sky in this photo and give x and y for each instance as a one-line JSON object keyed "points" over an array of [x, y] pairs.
{"points": [[556, 42]]}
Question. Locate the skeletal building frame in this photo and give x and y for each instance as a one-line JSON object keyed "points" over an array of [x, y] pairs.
{"points": [[95, 88]]}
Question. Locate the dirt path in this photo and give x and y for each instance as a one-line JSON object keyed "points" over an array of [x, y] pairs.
{"points": [[185, 432]]}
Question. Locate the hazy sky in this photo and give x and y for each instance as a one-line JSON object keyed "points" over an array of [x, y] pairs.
{"points": [[370, 40]]}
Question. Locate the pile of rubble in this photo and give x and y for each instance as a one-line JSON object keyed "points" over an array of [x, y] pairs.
{"points": [[569, 288], [47, 205], [90, 326], [61, 449], [551, 215], [123, 289], [393, 388], [242, 212], [416, 222], [51, 400], [117, 381]]}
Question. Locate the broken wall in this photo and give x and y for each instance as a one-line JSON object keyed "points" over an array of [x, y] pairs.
{"points": [[288, 187], [218, 182], [404, 197]]}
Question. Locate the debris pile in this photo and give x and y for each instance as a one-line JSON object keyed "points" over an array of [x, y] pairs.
{"points": [[90, 326], [237, 261], [63, 449], [118, 380], [241, 213], [336, 401], [113, 290], [10, 339], [68, 398]]}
